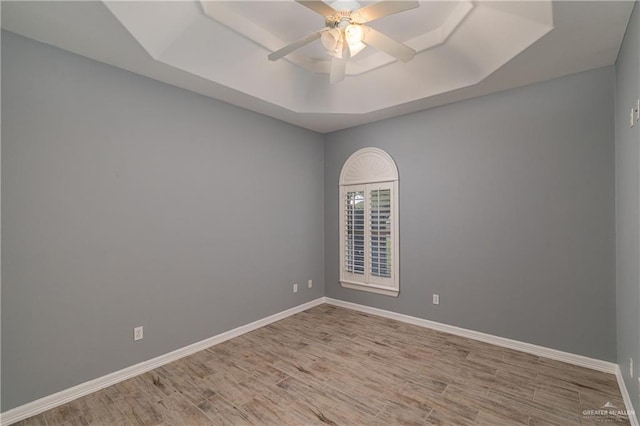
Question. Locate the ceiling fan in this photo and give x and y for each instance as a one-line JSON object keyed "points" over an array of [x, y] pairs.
{"points": [[346, 35]]}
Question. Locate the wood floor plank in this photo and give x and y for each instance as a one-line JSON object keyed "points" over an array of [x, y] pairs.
{"points": [[334, 366], [38, 420], [444, 417], [262, 411], [502, 410], [94, 409], [223, 412]]}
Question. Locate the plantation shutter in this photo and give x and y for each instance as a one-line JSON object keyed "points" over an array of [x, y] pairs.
{"points": [[368, 234], [369, 223], [355, 232], [380, 233]]}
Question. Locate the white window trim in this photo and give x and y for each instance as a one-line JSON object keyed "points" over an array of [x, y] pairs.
{"points": [[365, 169]]}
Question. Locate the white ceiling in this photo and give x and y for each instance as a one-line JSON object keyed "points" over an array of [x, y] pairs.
{"points": [[465, 49]]}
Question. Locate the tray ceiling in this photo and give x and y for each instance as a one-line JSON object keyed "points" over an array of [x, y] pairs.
{"points": [[220, 48]]}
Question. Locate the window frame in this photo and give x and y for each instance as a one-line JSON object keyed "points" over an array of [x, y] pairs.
{"points": [[367, 170]]}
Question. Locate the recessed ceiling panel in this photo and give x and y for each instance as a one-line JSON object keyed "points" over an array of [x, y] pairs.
{"points": [[220, 48], [458, 44]]}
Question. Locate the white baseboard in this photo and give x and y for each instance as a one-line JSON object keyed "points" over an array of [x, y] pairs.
{"points": [[48, 402], [633, 418], [582, 361], [36, 407]]}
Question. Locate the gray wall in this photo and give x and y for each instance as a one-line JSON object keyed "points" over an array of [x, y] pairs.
{"points": [[506, 212], [627, 206], [129, 202]]}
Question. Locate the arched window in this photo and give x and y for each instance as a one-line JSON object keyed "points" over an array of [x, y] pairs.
{"points": [[369, 249]]}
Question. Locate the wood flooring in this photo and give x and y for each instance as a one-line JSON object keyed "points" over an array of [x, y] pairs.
{"points": [[334, 366]]}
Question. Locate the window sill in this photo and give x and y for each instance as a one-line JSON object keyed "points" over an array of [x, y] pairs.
{"points": [[371, 288]]}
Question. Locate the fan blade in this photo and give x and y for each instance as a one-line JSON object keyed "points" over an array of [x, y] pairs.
{"points": [[339, 66], [295, 45], [388, 45], [384, 8], [319, 7]]}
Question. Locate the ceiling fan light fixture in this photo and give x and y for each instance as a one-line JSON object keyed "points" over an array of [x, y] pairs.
{"points": [[354, 34], [331, 40], [337, 52]]}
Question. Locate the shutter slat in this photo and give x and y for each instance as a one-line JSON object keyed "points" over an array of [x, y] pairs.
{"points": [[380, 231], [354, 232]]}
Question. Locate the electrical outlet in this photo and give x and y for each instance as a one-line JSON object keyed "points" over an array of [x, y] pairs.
{"points": [[436, 299], [310, 283], [295, 288], [631, 367], [138, 333]]}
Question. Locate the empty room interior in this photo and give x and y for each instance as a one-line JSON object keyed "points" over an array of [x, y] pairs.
{"points": [[304, 212]]}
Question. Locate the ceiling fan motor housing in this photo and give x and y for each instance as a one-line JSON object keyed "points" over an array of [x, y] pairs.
{"points": [[339, 19]]}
